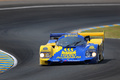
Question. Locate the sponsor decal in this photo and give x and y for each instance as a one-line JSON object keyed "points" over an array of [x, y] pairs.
{"points": [[91, 47], [68, 53], [71, 35], [45, 48]]}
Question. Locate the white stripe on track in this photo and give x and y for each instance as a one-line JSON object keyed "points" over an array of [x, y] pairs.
{"points": [[51, 6]]}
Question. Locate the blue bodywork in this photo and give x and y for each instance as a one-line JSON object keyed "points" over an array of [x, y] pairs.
{"points": [[74, 53]]}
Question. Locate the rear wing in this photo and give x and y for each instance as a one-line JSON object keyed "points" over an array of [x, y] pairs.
{"points": [[98, 34], [56, 35]]}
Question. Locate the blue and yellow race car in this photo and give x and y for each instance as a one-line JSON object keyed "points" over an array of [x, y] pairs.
{"points": [[73, 47]]}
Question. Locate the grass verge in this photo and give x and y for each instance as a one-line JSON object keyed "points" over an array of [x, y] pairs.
{"points": [[110, 32]]}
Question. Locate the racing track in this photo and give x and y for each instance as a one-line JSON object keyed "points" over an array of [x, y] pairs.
{"points": [[23, 31]]}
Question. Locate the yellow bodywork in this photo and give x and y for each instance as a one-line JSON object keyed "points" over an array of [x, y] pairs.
{"points": [[92, 34], [43, 61], [51, 50], [96, 41]]}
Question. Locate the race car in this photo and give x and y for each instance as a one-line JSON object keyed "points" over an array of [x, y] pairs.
{"points": [[73, 47]]}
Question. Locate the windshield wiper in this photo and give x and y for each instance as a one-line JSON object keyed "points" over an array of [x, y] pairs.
{"points": [[70, 44], [77, 43], [73, 43]]}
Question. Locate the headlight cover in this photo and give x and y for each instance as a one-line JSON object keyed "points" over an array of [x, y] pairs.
{"points": [[45, 55], [90, 54], [87, 54]]}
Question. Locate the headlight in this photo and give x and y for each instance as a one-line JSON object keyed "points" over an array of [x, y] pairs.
{"points": [[47, 55], [93, 54], [87, 54], [90, 54], [42, 55]]}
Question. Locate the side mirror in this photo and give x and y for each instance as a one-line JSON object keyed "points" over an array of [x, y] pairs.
{"points": [[87, 38]]}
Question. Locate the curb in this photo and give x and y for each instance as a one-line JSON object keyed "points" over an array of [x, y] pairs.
{"points": [[7, 61], [95, 27]]}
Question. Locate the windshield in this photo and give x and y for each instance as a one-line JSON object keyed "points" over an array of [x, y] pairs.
{"points": [[70, 41]]}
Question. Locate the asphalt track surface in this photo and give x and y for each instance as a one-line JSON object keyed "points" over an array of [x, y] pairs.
{"points": [[23, 31]]}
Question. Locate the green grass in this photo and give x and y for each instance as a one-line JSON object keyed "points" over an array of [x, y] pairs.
{"points": [[110, 32]]}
